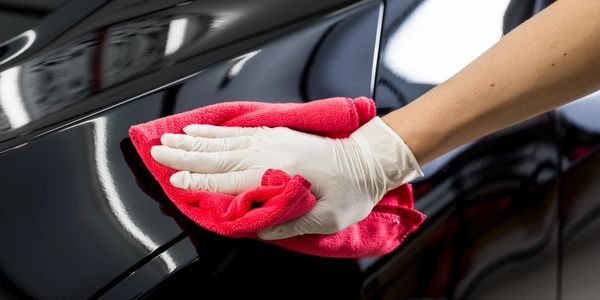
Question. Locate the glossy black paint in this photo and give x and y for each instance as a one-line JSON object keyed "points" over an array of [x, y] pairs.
{"points": [[232, 269], [81, 218], [72, 195], [146, 276]]}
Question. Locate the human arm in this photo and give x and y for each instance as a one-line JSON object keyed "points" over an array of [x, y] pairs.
{"points": [[549, 60]]}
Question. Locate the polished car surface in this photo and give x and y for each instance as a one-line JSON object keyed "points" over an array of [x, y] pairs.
{"points": [[510, 215]]}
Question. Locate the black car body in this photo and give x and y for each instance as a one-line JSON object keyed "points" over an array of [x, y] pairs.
{"points": [[513, 214]]}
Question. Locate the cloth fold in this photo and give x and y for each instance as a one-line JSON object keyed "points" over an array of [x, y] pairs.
{"points": [[282, 197]]}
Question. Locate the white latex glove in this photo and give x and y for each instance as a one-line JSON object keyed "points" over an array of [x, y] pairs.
{"points": [[349, 176]]}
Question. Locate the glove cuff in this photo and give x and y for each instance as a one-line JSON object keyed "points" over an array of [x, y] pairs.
{"points": [[392, 155]]}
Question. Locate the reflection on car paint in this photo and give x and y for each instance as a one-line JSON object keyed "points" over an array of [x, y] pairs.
{"points": [[114, 199], [90, 64], [91, 198], [438, 38], [119, 51]]}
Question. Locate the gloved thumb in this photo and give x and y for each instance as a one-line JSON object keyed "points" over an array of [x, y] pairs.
{"points": [[311, 222], [283, 231]]}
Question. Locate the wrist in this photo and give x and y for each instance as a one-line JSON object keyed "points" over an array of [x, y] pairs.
{"points": [[423, 138], [392, 157]]}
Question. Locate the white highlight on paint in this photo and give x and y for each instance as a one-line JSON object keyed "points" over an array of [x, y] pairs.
{"points": [[223, 19], [30, 37], [11, 98], [112, 195], [176, 35], [242, 60], [378, 33], [441, 37]]}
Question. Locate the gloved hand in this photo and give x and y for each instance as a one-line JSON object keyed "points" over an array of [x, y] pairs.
{"points": [[349, 176]]}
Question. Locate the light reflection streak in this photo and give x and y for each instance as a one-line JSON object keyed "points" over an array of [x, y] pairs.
{"points": [[223, 20], [30, 35], [378, 33], [112, 195], [441, 37], [11, 98], [239, 65], [176, 35]]}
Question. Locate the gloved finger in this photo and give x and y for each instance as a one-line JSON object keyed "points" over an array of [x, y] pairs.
{"points": [[190, 143], [226, 183], [317, 220], [198, 162], [211, 131]]}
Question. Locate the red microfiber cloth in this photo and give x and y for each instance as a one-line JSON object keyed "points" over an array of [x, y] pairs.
{"points": [[281, 196]]}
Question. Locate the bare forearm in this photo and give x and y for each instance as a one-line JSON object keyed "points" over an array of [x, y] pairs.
{"points": [[549, 60]]}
